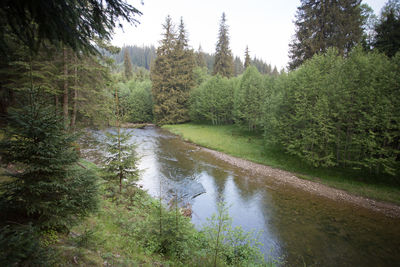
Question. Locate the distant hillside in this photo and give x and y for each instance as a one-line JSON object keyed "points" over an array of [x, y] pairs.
{"points": [[143, 56]]}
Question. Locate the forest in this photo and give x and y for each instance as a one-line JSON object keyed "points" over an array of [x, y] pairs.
{"points": [[335, 107]]}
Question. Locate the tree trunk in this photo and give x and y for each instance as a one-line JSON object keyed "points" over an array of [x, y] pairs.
{"points": [[65, 93], [74, 109]]}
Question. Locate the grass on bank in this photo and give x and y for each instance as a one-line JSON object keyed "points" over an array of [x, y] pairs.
{"points": [[241, 143]]}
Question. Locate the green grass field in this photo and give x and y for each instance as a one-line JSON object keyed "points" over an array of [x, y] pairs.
{"points": [[241, 143]]}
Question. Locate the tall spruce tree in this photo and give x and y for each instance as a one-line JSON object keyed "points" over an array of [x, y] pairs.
{"points": [[323, 24], [387, 39], [223, 64], [51, 189], [247, 60], [172, 76], [127, 65], [184, 67]]}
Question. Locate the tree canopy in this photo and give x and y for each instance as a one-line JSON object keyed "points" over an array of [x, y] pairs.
{"points": [[387, 38], [70, 22], [324, 24]]}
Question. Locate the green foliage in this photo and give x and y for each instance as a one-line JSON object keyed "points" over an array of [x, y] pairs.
{"points": [[120, 163], [49, 190], [127, 65], [212, 101], [223, 64], [20, 246], [136, 100], [249, 99], [231, 246], [387, 39], [172, 76], [247, 60], [141, 56], [88, 79], [75, 24], [334, 111], [317, 30]]}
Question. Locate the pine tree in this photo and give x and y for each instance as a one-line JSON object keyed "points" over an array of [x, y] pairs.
{"points": [[200, 60], [127, 65], [184, 73], [387, 38], [172, 76], [161, 75], [238, 66], [120, 161], [223, 64], [247, 60], [324, 24], [50, 190]]}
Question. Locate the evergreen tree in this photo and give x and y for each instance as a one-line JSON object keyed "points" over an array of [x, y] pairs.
{"points": [[173, 76], [161, 75], [127, 65], [49, 189], [184, 73], [262, 67], [120, 161], [238, 66], [200, 60], [387, 38], [247, 60], [68, 22], [223, 64], [324, 24]]}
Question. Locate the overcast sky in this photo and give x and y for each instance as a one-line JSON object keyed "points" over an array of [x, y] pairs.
{"points": [[266, 26]]}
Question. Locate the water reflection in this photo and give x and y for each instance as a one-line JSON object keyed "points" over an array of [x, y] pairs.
{"points": [[301, 227]]}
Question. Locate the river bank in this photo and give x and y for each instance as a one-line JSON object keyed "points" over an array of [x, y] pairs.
{"points": [[227, 142]]}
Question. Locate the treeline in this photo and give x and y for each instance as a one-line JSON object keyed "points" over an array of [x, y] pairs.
{"points": [[139, 56], [145, 55]]}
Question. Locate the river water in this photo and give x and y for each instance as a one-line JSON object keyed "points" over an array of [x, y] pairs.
{"points": [[297, 227]]}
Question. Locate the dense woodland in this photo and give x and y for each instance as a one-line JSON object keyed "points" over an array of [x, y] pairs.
{"points": [[337, 106]]}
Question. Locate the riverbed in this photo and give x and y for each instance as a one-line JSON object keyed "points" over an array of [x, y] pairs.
{"points": [[297, 226]]}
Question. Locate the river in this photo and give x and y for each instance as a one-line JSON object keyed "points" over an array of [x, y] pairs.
{"points": [[298, 227]]}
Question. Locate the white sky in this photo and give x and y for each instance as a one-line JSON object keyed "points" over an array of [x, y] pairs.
{"points": [[266, 26]]}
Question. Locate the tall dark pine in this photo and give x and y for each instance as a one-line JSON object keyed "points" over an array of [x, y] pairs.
{"points": [[223, 63], [247, 60], [183, 69], [387, 39], [127, 65], [323, 24], [172, 76]]}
